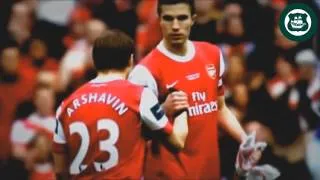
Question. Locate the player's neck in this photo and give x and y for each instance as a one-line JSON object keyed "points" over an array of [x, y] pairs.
{"points": [[180, 50], [112, 74]]}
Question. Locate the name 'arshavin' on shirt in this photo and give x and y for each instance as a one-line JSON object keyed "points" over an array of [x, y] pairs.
{"points": [[105, 98]]}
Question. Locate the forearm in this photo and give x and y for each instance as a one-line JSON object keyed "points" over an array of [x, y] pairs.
{"points": [[180, 127], [229, 122]]}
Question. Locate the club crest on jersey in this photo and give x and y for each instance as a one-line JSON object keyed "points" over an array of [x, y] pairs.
{"points": [[211, 70]]}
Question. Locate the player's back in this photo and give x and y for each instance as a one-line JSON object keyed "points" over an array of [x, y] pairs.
{"points": [[102, 131]]}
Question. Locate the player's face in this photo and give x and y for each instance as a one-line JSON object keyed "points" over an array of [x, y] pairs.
{"points": [[176, 21]]}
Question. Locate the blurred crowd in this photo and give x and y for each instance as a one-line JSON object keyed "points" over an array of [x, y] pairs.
{"points": [[272, 83]]}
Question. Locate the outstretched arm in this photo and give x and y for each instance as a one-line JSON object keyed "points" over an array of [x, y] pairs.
{"points": [[229, 122], [250, 151]]}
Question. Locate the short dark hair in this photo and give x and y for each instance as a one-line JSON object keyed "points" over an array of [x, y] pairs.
{"points": [[112, 50], [170, 2]]}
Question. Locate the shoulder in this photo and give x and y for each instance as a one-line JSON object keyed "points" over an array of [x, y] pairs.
{"points": [[145, 76], [129, 93], [141, 71], [66, 101], [201, 45], [130, 87], [151, 58]]}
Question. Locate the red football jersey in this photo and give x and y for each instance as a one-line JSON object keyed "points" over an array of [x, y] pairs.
{"points": [[99, 128], [198, 73]]}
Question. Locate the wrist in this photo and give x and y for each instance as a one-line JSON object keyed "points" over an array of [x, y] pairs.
{"points": [[166, 110], [243, 137]]}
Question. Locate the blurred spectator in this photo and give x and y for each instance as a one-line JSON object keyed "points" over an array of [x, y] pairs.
{"points": [[205, 27], [118, 14], [77, 24], [284, 78], [260, 112], [239, 101], [287, 47], [16, 85], [306, 89], [259, 22], [279, 88], [78, 58], [48, 78], [233, 9], [20, 23], [37, 58], [32, 4], [31, 137], [51, 24], [260, 19], [233, 34], [236, 71], [313, 92], [307, 62], [148, 33], [235, 27], [146, 10], [47, 11], [312, 154]]}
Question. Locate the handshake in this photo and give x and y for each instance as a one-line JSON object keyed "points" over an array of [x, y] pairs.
{"points": [[248, 155]]}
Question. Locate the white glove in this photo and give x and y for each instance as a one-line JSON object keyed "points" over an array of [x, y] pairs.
{"points": [[246, 164], [263, 172], [245, 161]]}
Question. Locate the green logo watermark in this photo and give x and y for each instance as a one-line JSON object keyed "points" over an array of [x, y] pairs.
{"points": [[298, 22]]}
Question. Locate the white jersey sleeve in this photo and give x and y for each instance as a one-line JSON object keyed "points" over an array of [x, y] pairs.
{"points": [[140, 75], [20, 134], [59, 136], [152, 113], [222, 69]]}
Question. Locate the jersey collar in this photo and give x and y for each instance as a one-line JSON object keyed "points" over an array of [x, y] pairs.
{"points": [[188, 57], [107, 78]]}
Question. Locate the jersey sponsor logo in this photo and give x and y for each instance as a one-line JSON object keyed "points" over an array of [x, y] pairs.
{"points": [[194, 76], [171, 85], [211, 70], [202, 105], [203, 108]]}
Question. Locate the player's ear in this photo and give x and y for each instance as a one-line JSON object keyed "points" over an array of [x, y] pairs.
{"points": [[194, 18], [130, 66], [131, 61]]}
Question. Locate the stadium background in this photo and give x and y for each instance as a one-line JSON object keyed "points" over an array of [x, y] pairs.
{"points": [[272, 83]]}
